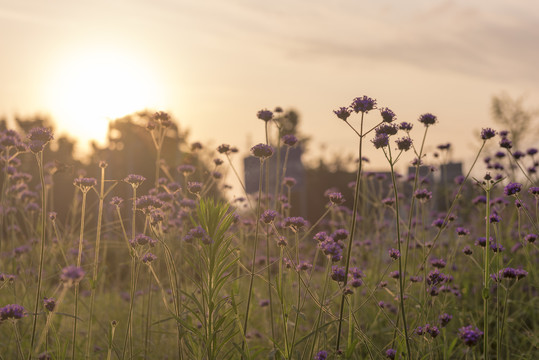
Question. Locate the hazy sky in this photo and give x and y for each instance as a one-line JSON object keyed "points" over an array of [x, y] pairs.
{"points": [[213, 64]]}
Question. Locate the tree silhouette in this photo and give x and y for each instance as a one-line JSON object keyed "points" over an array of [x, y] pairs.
{"points": [[513, 116]]}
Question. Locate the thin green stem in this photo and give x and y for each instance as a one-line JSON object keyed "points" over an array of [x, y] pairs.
{"points": [[298, 304], [18, 338], [77, 284], [485, 293], [352, 231], [39, 159], [253, 261], [316, 326], [96, 262], [401, 274]]}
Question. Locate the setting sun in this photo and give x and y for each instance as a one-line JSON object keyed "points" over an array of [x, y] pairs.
{"points": [[91, 88]]}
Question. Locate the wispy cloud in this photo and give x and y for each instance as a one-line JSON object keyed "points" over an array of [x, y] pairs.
{"points": [[498, 41]]}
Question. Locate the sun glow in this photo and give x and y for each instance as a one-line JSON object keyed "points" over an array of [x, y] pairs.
{"points": [[93, 88]]}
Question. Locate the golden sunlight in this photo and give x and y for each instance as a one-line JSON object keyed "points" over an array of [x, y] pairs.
{"points": [[91, 88]]}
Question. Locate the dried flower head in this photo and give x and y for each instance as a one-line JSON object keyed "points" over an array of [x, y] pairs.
{"points": [[186, 169], [223, 149], [194, 187], [72, 274], [134, 180], [85, 184]]}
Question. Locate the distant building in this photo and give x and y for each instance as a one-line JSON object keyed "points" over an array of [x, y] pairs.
{"points": [[294, 168], [449, 171]]}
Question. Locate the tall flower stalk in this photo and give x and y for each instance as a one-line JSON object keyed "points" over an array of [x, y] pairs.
{"points": [[135, 181], [263, 152], [487, 185], [93, 282], [363, 105], [39, 137], [84, 185], [400, 262]]}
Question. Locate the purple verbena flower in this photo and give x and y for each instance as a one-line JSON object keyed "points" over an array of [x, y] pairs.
{"points": [[262, 151], [268, 216], [85, 184], [321, 355], [385, 128], [134, 180], [461, 231], [467, 250], [289, 181], [444, 319], [404, 143], [265, 115], [423, 195], [388, 115], [336, 198], [438, 263], [495, 218], [506, 143], [295, 222], [116, 201], [194, 187], [289, 140], [487, 133], [427, 119], [340, 234], [342, 113], [72, 274], [148, 202], [496, 247], [320, 236], [12, 311], [470, 335], [518, 154], [223, 149], [380, 141], [531, 238], [148, 258], [394, 254], [406, 126], [41, 134], [391, 353], [338, 273], [512, 188], [363, 104], [186, 169], [432, 330], [49, 304]]}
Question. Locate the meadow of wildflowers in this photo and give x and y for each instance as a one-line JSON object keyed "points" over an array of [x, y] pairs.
{"points": [[406, 268]]}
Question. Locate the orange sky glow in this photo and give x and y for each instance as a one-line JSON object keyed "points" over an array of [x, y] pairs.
{"points": [[213, 64]]}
